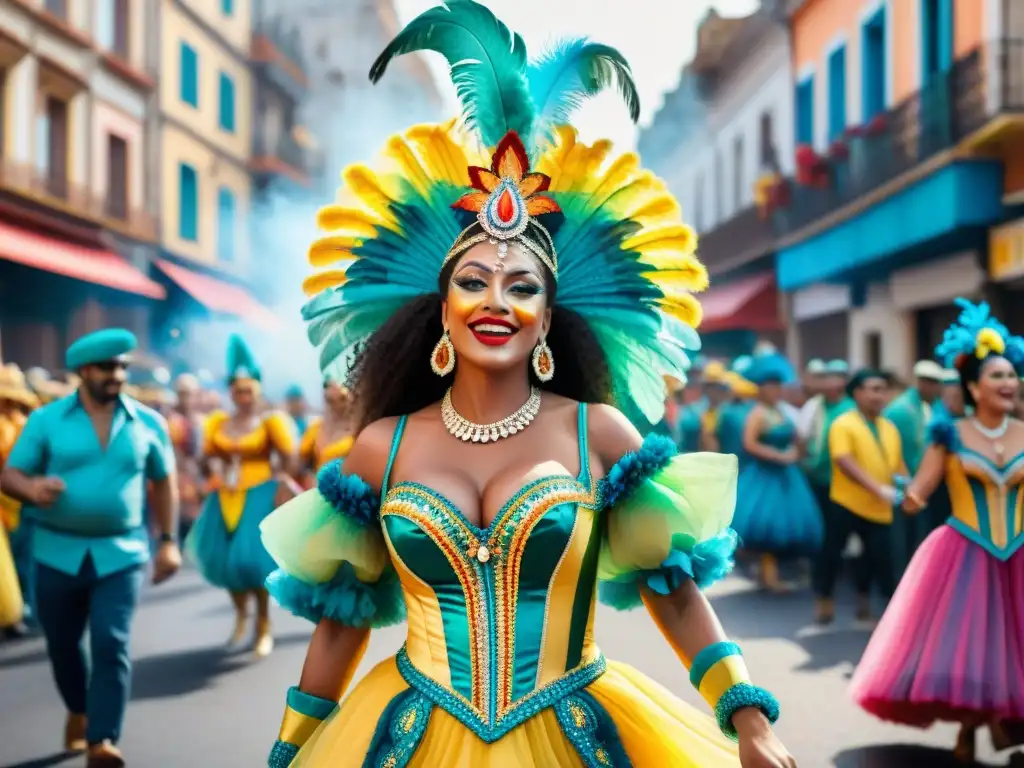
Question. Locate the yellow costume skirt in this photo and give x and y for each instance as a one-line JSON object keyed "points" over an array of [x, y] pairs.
{"points": [[655, 730], [11, 605]]}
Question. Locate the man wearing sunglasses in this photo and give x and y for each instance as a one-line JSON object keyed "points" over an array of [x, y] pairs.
{"points": [[81, 465]]}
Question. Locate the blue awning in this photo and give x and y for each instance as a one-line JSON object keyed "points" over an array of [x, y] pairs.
{"points": [[963, 194]]}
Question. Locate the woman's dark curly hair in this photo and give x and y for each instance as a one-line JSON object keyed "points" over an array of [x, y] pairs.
{"points": [[391, 375]]}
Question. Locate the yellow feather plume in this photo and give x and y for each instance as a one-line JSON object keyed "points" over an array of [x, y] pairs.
{"points": [[321, 281], [684, 308], [408, 164], [674, 281], [441, 155], [331, 250], [337, 218], [369, 189], [672, 236]]}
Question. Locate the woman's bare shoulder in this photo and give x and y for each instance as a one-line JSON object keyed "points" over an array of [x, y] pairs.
{"points": [[370, 451]]}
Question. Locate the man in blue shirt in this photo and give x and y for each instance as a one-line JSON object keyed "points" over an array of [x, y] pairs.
{"points": [[81, 465]]}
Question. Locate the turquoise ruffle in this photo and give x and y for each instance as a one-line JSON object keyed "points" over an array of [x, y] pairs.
{"points": [[707, 562], [349, 495], [943, 432], [344, 598], [633, 468]]}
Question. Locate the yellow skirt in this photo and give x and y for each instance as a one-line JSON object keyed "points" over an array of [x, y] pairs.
{"points": [[654, 727], [11, 605]]}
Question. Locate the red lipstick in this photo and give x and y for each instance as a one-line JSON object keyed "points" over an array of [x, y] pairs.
{"points": [[493, 331]]}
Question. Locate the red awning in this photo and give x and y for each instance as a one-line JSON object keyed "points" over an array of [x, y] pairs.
{"points": [[91, 265], [220, 296], [748, 304]]}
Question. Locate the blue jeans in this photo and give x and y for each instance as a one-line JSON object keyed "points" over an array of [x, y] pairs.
{"points": [[65, 606]]}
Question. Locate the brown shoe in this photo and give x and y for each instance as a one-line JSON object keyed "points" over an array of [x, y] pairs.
{"points": [[74, 734], [104, 755]]}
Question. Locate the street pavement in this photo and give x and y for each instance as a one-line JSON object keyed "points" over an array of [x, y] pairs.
{"points": [[195, 705]]}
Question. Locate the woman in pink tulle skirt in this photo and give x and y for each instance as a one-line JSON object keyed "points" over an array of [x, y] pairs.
{"points": [[951, 643]]}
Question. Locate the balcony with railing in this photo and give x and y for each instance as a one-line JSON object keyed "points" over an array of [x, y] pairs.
{"points": [[285, 156], [737, 241], [914, 135], [276, 52], [52, 188]]}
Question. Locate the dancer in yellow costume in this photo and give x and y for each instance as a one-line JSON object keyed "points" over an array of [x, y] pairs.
{"points": [[493, 483], [240, 450], [328, 437], [16, 400]]}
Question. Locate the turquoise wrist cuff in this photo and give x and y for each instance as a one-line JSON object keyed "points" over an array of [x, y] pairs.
{"points": [[282, 754], [741, 696], [710, 656], [309, 705]]}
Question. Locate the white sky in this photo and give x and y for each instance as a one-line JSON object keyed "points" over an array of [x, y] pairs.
{"points": [[656, 36]]}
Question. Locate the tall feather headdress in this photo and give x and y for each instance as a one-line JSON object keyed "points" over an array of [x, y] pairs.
{"points": [[625, 260]]}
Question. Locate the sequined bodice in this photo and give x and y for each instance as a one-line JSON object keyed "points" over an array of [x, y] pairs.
{"points": [[988, 500], [500, 619]]}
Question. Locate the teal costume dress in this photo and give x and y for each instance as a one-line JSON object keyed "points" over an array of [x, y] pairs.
{"points": [[776, 512], [691, 419], [729, 431]]}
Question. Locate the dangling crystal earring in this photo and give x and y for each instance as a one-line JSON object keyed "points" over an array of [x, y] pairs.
{"points": [[442, 359], [543, 362]]}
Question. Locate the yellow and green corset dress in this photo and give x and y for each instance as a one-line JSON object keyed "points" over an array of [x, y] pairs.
{"points": [[500, 667], [225, 540], [315, 455]]}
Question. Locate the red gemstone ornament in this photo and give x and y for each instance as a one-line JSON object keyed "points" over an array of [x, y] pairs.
{"points": [[506, 208]]}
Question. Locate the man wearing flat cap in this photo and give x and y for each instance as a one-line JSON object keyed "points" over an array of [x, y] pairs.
{"points": [[81, 465], [911, 413]]}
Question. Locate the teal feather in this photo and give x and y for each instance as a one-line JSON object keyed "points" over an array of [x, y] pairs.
{"points": [[488, 65], [240, 359], [568, 74]]}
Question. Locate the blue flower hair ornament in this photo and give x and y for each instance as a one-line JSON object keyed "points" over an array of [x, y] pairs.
{"points": [[976, 332]]}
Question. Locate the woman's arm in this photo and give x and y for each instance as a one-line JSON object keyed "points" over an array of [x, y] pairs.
{"points": [[929, 475], [752, 429], [335, 649], [690, 625]]}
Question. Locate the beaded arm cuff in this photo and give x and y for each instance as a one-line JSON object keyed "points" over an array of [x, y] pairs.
{"points": [[741, 696], [302, 717]]}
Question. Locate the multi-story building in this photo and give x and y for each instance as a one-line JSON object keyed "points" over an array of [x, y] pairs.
{"points": [[903, 108], [349, 115], [75, 218], [727, 127]]}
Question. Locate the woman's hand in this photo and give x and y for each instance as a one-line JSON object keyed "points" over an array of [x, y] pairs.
{"points": [[759, 746]]}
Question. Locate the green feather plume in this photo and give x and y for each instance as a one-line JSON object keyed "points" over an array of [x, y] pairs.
{"points": [[241, 361], [570, 73], [487, 63]]}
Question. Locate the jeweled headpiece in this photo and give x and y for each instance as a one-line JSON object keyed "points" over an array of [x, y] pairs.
{"points": [[624, 260], [506, 199]]}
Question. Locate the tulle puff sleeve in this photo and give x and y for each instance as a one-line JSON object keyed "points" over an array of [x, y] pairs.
{"points": [[332, 559], [667, 520]]}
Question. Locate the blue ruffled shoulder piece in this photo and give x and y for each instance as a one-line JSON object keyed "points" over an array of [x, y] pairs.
{"points": [[632, 469], [344, 598], [942, 431], [349, 495]]}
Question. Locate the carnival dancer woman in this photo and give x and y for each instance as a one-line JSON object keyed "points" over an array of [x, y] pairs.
{"points": [[951, 643], [16, 569], [482, 489], [327, 437], [776, 512], [245, 454]]}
